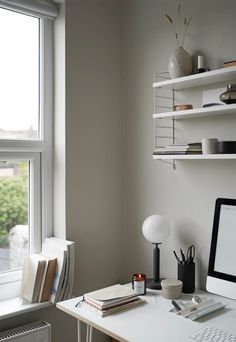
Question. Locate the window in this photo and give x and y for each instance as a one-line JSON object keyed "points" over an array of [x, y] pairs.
{"points": [[19, 67], [25, 134]]}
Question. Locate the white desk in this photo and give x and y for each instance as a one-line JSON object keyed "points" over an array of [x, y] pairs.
{"points": [[151, 322]]}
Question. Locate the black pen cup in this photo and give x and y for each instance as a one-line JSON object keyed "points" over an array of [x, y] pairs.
{"points": [[186, 273]]}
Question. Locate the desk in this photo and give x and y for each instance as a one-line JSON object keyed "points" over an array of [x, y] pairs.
{"points": [[151, 322]]}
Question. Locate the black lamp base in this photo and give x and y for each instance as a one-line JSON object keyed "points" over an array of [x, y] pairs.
{"points": [[152, 284]]}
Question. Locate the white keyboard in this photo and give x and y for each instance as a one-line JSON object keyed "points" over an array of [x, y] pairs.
{"points": [[211, 334]]}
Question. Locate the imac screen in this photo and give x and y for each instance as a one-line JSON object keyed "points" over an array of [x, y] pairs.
{"points": [[221, 278]]}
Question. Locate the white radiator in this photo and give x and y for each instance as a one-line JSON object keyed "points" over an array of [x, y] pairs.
{"points": [[34, 332]]}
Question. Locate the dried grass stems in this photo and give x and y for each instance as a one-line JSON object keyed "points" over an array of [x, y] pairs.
{"points": [[183, 25]]}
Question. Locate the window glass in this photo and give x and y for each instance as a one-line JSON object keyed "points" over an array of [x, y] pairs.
{"points": [[14, 213], [26, 98], [19, 80]]}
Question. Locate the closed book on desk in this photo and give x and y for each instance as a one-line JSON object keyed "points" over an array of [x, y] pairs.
{"points": [[110, 295], [115, 308], [110, 303]]}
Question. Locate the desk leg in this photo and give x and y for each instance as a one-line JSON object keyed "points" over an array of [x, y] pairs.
{"points": [[89, 333], [79, 331]]}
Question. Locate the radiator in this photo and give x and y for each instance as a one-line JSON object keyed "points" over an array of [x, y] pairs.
{"points": [[34, 332]]}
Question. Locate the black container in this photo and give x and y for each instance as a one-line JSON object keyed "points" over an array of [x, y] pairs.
{"points": [[186, 273], [227, 147]]}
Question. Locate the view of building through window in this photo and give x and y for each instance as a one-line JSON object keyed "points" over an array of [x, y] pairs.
{"points": [[14, 213]]}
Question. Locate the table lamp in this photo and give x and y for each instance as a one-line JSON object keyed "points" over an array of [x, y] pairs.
{"points": [[156, 229]]}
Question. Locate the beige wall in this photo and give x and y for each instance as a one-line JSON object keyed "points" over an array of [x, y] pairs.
{"points": [[185, 195], [94, 164]]}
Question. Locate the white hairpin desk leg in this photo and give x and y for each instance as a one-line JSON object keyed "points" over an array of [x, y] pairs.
{"points": [[79, 337], [89, 332]]}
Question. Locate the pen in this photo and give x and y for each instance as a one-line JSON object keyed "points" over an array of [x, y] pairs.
{"points": [[176, 257], [176, 305], [190, 254], [182, 255]]}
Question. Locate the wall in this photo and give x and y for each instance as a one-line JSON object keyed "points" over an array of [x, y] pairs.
{"points": [[94, 165], [185, 195]]}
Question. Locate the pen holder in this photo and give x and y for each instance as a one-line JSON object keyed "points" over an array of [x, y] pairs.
{"points": [[186, 273]]}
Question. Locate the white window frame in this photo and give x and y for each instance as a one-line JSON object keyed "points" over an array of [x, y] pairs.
{"points": [[40, 155]]}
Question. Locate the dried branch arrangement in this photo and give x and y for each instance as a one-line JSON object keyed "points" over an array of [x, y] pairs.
{"points": [[183, 25]]}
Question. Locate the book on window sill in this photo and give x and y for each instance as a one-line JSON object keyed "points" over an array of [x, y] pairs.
{"points": [[37, 278], [115, 308], [33, 270], [67, 286], [64, 275], [50, 274], [50, 249]]}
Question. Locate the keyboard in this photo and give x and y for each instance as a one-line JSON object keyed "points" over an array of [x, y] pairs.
{"points": [[211, 334]]}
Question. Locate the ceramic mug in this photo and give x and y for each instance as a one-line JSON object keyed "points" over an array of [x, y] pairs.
{"points": [[209, 145]]}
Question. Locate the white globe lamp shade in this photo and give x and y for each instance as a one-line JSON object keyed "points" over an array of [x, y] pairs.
{"points": [[156, 229]]}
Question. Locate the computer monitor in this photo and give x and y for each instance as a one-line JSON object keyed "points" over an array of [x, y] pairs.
{"points": [[221, 278]]}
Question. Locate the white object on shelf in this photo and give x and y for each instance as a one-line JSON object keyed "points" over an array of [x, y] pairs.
{"points": [[212, 96], [209, 145]]}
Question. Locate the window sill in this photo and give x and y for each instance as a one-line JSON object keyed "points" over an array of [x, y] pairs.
{"points": [[14, 306]]}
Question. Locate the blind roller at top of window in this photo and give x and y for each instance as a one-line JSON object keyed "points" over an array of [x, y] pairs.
{"points": [[33, 7]]}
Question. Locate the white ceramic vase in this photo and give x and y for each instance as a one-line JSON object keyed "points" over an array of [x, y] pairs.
{"points": [[180, 63]]}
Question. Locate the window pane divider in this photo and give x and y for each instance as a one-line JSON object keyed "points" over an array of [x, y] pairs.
{"points": [[24, 145]]}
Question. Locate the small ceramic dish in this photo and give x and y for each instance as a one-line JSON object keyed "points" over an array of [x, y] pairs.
{"points": [[182, 107]]}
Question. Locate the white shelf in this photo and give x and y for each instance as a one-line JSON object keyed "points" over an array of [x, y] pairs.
{"points": [[195, 157], [198, 112], [208, 77]]}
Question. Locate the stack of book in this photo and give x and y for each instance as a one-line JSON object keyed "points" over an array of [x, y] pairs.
{"points": [[49, 276], [111, 299], [191, 148]]}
